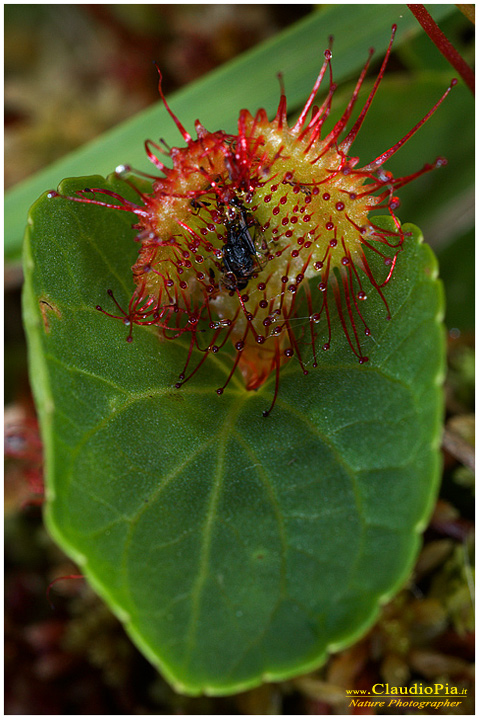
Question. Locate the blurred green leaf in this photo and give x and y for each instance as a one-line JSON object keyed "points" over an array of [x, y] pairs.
{"points": [[457, 268], [249, 81], [235, 548]]}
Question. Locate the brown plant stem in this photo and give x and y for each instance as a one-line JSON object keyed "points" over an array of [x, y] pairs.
{"points": [[460, 448], [468, 11], [443, 44]]}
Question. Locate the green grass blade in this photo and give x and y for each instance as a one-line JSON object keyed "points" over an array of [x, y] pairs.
{"points": [[249, 81]]}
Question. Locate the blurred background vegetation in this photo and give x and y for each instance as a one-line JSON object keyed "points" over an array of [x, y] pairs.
{"points": [[72, 72]]}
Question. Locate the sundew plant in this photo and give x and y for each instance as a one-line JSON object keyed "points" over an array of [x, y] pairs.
{"points": [[237, 357]]}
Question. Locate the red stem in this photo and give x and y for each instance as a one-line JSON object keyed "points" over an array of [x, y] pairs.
{"points": [[443, 44]]}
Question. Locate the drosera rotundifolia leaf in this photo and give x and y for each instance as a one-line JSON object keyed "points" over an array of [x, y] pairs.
{"points": [[236, 547], [240, 229]]}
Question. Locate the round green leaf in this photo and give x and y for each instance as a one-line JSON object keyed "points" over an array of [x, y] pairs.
{"points": [[235, 548]]}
